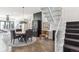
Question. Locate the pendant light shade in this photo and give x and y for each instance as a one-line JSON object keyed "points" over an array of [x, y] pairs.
{"points": [[7, 17], [23, 22]]}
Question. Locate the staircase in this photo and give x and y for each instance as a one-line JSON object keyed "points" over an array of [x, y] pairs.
{"points": [[53, 15], [71, 42]]}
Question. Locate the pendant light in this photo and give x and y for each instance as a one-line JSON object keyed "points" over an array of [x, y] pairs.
{"points": [[23, 22], [7, 17]]}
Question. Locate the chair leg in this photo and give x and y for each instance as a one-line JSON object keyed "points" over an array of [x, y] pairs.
{"points": [[26, 39], [31, 38], [13, 41], [23, 39], [18, 39]]}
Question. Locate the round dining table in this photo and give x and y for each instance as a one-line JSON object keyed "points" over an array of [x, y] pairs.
{"points": [[22, 35]]}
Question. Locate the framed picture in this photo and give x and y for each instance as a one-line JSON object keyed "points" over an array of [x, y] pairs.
{"points": [[45, 26]]}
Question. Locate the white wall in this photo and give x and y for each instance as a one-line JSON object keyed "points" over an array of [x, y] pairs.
{"points": [[29, 22], [70, 13], [44, 19]]}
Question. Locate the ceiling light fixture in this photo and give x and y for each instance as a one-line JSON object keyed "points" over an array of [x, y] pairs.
{"points": [[23, 22]]}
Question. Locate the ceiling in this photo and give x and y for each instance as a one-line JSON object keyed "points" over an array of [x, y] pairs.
{"points": [[17, 12]]}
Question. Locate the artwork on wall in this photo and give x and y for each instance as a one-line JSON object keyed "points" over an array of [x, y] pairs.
{"points": [[45, 26]]}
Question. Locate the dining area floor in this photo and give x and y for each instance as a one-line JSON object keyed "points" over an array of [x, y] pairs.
{"points": [[40, 45]]}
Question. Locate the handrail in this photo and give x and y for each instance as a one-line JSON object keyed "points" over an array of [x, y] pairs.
{"points": [[51, 15], [57, 28], [57, 34]]}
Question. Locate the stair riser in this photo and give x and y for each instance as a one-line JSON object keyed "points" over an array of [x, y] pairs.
{"points": [[72, 36], [72, 43], [72, 23], [69, 50], [66, 49], [76, 27], [72, 31]]}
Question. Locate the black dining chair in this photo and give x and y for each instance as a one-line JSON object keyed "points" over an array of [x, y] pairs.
{"points": [[18, 30], [14, 36], [28, 35]]}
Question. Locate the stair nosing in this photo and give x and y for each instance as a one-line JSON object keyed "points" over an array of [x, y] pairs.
{"points": [[72, 39], [72, 29], [72, 33], [73, 25]]}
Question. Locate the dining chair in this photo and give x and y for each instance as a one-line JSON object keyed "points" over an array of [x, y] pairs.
{"points": [[28, 34], [17, 30], [14, 36]]}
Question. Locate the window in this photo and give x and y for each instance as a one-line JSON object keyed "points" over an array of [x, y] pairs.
{"points": [[6, 25]]}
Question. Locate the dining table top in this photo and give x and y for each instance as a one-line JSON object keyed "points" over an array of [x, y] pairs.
{"points": [[20, 33]]}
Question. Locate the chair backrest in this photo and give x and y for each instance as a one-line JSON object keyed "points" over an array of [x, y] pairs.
{"points": [[13, 34], [29, 32], [18, 30]]}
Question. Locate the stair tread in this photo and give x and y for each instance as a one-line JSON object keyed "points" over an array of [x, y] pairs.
{"points": [[71, 47], [71, 29], [75, 40], [72, 25], [76, 26], [73, 22], [73, 33]]}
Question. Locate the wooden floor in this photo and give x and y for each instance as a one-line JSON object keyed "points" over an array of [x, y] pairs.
{"points": [[41, 45]]}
